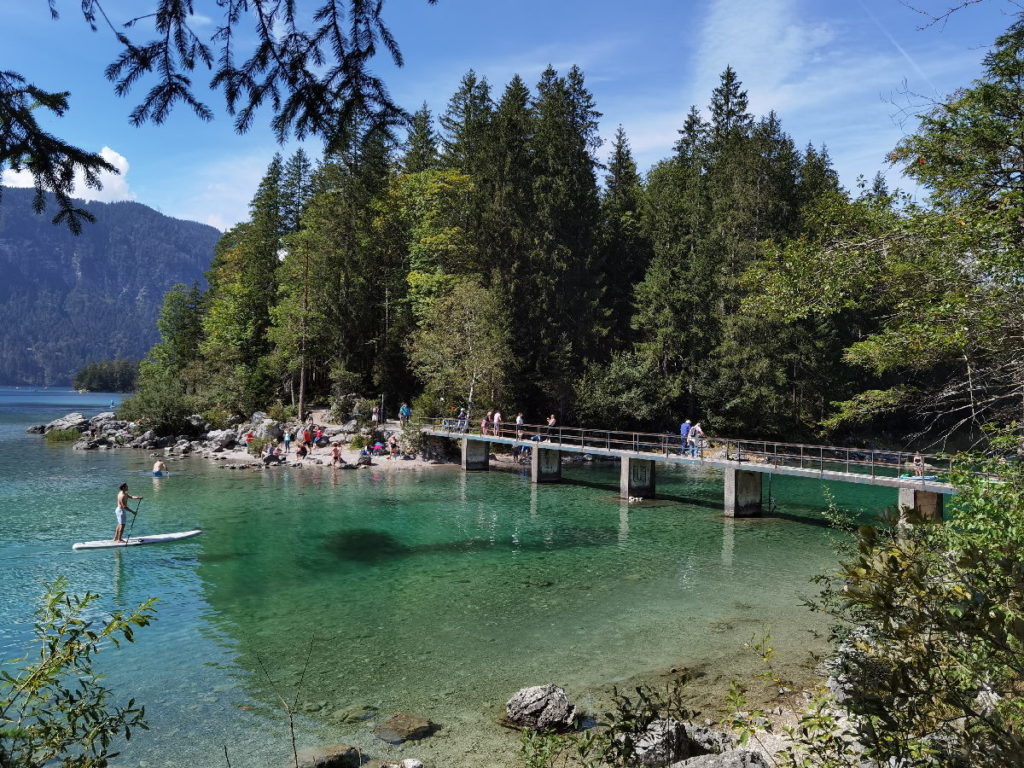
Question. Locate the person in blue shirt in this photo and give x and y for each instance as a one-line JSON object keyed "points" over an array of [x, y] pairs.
{"points": [[404, 413], [684, 433]]}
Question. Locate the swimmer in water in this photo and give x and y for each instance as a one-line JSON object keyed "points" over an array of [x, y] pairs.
{"points": [[159, 468]]}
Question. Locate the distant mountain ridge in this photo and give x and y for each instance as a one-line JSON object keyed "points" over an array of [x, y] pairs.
{"points": [[68, 300]]}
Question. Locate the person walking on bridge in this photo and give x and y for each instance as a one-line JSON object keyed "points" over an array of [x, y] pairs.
{"points": [[684, 434], [695, 441], [497, 423]]}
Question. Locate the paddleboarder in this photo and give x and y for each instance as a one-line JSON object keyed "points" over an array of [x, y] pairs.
{"points": [[122, 507]]}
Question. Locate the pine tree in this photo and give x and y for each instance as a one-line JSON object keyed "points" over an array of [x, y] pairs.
{"points": [[243, 288], [420, 143], [624, 252], [465, 125], [562, 300], [295, 189], [506, 194]]}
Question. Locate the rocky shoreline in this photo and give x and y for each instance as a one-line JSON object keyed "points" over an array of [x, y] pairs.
{"points": [[105, 431]]}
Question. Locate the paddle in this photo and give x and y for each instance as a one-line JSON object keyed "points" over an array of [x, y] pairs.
{"points": [[135, 513]]}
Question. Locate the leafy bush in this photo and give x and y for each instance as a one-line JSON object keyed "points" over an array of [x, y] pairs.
{"points": [[258, 444], [218, 418], [56, 710], [278, 411], [930, 635], [62, 435], [161, 400]]}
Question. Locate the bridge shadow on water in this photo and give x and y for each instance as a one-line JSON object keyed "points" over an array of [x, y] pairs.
{"points": [[692, 501], [808, 518]]}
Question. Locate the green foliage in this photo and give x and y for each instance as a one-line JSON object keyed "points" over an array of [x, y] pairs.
{"points": [[938, 282], [160, 399], [62, 435], [933, 664], [278, 411], [624, 394], [258, 444], [461, 352], [107, 376], [55, 710], [53, 163]]}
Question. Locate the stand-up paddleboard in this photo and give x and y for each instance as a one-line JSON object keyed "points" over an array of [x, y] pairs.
{"points": [[134, 541]]}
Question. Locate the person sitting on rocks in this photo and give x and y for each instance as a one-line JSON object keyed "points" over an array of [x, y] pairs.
{"points": [[301, 452]]}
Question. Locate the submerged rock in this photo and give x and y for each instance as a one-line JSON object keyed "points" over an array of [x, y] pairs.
{"points": [[330, 756], [354, 713], [541, 707], [403, 726]]}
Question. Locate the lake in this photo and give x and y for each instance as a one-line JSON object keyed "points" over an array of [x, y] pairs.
{"points": [[431, 591]]}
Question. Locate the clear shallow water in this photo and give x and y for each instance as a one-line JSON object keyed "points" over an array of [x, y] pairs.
{"points": [[434, 591]]}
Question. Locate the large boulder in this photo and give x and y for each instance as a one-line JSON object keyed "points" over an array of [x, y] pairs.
{"points": [[268, 428], [740, 758], [70, 421], [222, 438], [403, 726], [704, 740], [663, 743], [330, 756], [541, 707]]}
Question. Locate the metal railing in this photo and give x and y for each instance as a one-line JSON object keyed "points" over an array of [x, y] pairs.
{"points": [[820, 458]]}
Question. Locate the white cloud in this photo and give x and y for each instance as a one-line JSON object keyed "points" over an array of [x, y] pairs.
{"points": [[114, 185], [220, 192], [765, 43]]}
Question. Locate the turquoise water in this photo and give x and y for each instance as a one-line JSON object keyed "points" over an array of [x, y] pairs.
{"points": [[431, 591]]}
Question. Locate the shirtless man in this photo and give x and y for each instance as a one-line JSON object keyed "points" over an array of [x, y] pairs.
{"points": [[159, 468], [122, 508]]}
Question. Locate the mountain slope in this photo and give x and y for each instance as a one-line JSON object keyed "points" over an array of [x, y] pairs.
{"points": [[66, 300]]}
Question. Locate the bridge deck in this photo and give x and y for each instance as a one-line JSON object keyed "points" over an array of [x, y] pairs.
{"points": [[847, 465]]}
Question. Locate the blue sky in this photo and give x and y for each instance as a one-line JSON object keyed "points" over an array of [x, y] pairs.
{"points": [[837, 72]]}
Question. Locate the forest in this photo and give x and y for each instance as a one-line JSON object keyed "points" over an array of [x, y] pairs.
{"points": [[488, 259]]}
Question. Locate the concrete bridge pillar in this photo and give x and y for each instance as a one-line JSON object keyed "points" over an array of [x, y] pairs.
{"points": [[926, 503], [545, 465], [476, 454], [636, 478], [742, 493]]}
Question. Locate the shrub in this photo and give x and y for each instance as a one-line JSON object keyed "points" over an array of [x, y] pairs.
{"points": [[281, 412], [930, 635], [62, 435], [55, 710], [258, 444]]}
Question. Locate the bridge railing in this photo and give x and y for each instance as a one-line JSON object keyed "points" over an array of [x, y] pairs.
{"points": [[820, 458]]}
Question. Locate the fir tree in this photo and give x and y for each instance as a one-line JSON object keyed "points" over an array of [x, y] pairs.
{"points": [[420, 143], [465, 125]]}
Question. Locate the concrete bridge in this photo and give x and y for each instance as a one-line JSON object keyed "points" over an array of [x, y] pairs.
{"points": [[744, 463]]}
